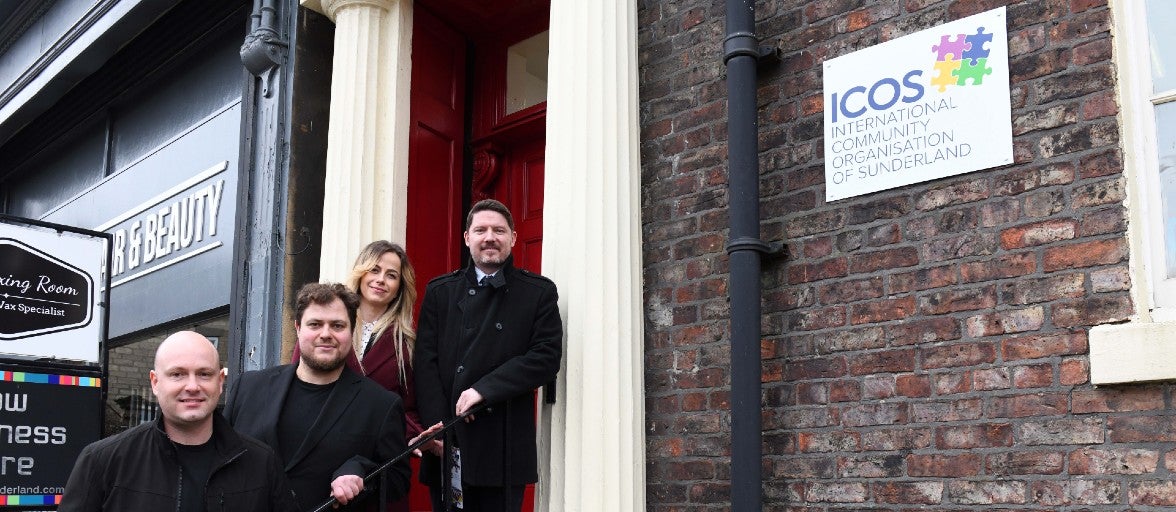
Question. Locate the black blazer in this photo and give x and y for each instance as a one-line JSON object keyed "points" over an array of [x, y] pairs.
{"points": [[504, 340], [360, 427]]}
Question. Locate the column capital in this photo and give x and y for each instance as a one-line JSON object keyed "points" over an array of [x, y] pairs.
{"points": [[330, 8]]}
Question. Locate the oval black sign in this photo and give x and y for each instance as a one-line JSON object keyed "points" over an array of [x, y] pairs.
{"points": [[40, 294]]}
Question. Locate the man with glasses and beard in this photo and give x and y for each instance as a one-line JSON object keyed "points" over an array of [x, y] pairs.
{"points": [[329, 425]]}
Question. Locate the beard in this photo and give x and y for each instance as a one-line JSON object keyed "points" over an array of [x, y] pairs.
{"points": [[323, 364], [495, 259]]}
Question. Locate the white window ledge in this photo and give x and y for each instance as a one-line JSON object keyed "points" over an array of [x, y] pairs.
{"points": [[1132, 352]]}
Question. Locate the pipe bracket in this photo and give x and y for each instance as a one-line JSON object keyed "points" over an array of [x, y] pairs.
{"points": [[740, 44], [754, 244]]}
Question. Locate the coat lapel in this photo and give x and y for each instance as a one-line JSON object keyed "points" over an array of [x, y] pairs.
{"points": [[381, 352], [279, 385]]}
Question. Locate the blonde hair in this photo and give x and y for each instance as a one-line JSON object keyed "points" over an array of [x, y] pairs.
{"points": [[399, 313]]}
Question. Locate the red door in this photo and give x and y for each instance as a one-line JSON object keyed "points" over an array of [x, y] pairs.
{"points": [[505, 151]]}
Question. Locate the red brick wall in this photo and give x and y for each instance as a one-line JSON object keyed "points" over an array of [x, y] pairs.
{"points": [[925, 347]]}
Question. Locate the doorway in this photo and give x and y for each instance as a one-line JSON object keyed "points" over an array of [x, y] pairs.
{"points": [[478, 107]]}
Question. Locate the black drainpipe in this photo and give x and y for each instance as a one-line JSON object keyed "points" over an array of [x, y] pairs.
{"points": [[742, 53]]}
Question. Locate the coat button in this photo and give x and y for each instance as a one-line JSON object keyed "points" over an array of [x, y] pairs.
{"points": [[460, 369], [498, 326], [473, 291]]}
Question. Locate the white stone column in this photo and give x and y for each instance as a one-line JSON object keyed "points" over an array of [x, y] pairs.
{"points": [[367, 143], [592, 444]]}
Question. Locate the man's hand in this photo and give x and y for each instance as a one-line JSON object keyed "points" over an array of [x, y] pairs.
{"points": [[346, 488], [434, 447], [468, 399]]}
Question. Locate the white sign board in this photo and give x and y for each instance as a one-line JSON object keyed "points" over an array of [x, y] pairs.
{"points": [[925, 106], [51, 296]]}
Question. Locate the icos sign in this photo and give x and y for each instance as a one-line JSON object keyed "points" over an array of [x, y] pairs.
{"points": [[51, 283], [925, 106]]}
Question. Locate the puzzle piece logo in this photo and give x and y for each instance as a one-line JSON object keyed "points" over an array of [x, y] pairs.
{"points": [[961, 60]]}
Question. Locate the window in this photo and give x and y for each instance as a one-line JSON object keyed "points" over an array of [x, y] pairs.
{"points": [[526, 73], [1144, 349]]}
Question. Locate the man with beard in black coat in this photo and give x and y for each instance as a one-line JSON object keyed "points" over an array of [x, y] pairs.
{"points": [[489, 334]]}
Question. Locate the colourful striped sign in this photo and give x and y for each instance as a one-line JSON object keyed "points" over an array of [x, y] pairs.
{"points": [[30, 499], [47, 378]]}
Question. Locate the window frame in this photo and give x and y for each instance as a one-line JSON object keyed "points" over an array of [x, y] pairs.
{"points": [[1144, 348]]}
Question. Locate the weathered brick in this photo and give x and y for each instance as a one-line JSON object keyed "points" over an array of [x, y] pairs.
{"points": [[953, 382], [959, 193], [959, 354], [1032, 462], [1146, 398], [875, 387], [1033, 376], [987, 493], [906, 438], [1101, 164], [831, 268], [1092, 311], [1006, 322], [944, 411], [1074, 371], [1052, 117], [956, 300], [1011, 265], [1154, 493], [1100, 105], [912, 385], [1141, 429], [924, 279], [870, 414], [962, 246], [1072, 85], [910, 493], [1095, 492], [828, 441], [884, 310], [864, 263], [1084, 254], [1101, 222], [846, 492], [1045, 345], [1061, 432], [974, 436], [843, 292], [1038, 233], [1083, 25], [923, 331], [860, 338], [987, 379], [1106, 192], [813, 320], [1018, 181], [943, 465], [845, 390], [1097, 461], [1028, 406]]}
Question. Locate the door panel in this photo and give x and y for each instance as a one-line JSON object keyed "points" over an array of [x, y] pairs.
{"points": [[527, 199], [436, 141]]}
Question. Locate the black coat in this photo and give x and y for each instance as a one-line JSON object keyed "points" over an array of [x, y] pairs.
{"points": [[360, 427], [504, 340], [137, 470]]}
